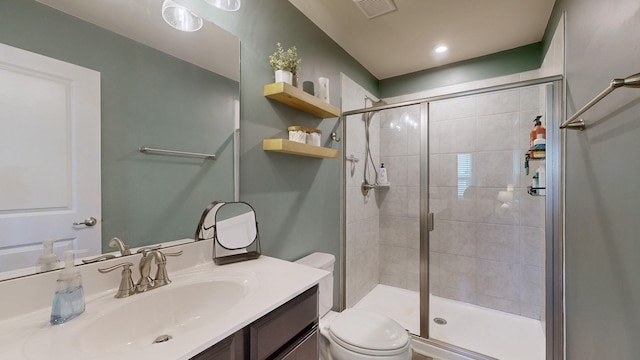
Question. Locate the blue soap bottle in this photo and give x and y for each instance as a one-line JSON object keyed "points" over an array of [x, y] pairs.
{"points": [[68, 301]]}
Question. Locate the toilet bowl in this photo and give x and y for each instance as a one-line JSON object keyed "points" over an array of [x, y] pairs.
{"points": [[355, 334]]}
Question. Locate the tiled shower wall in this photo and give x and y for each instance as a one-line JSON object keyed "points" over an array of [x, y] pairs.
{"points": [[486, 251], [400, 203], [362, 214]]}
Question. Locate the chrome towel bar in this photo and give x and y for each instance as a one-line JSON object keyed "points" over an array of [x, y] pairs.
{"points": [[632, 81], [144, 149]]}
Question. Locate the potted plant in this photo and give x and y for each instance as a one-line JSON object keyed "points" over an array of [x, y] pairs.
{"points": [[285, 64]]}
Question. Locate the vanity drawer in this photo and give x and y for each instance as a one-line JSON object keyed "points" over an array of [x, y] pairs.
{"points": [[285, 326], [307, 349], [231, 348]]}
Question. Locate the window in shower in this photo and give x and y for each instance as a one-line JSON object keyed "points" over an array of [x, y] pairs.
{"points": [[464, 173]]}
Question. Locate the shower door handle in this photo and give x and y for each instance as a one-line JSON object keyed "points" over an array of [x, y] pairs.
{"points": [[430, 221]]}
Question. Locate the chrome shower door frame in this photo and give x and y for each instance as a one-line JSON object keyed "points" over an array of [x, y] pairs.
{"points": [[554, 213]]}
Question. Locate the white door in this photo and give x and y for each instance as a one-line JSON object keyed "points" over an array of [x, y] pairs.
{"points": [[49, 156]]}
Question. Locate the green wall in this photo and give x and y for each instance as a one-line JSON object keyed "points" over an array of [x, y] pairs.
{"points": [[297, 199], [148, 98], [602, 246], [524, 58]]}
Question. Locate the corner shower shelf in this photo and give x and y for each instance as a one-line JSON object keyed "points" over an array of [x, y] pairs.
{"points": [[294, 97], [296, 148], [535, 191], [535, 155]]}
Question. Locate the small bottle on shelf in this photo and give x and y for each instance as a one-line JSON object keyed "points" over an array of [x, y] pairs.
{"points": [[538, 129], [382, 176]]}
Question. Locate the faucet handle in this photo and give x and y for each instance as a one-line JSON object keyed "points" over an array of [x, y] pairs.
{"points": [[178, 253], [126, 282], [162, 278], [99, 258], [146, 249]]}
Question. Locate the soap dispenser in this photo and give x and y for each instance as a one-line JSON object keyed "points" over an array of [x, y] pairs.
{"points": [[68, 301], [538, 129], [48, 260]]}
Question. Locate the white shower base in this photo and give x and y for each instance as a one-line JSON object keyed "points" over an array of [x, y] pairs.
{"points": [[490, 332]]}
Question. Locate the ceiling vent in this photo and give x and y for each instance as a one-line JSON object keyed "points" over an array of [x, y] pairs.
{"points": [[375, 8]]}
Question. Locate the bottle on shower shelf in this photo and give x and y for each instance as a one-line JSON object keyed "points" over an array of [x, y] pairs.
{"points": [[538, 129], [382, 176]]}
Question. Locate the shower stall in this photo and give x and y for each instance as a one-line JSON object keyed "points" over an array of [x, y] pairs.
{"points": [[462, 246]]}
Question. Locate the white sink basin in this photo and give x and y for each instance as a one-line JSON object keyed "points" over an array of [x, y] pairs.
{"points": [[122, 325]]}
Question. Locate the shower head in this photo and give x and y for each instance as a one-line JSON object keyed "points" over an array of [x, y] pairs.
{"points": [[374, 102], [379, 102]]}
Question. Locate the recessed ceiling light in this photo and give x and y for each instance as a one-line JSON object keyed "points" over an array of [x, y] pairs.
{"points": [[441, 49]]}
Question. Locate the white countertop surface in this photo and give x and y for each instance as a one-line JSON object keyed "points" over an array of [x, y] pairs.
{"points": [[277, 282]]}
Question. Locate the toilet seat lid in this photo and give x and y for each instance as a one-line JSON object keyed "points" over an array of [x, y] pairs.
{"points": [[368, 332]]}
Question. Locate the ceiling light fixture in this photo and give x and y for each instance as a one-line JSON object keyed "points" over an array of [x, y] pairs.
{"points": [[179, 17], [226, 5], [441, 49]]}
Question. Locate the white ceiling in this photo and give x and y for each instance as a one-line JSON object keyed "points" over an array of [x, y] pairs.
{"points": [[211, 48], [403, 41]]}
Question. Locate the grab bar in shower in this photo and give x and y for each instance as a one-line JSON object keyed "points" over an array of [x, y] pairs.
{"points": [[144, 149], [632, 81]]}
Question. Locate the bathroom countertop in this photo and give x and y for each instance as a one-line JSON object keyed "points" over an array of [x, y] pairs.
{"points": [[278, 281]]}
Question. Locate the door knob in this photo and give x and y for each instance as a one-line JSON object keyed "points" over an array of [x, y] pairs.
{"points": [[90, 221]]}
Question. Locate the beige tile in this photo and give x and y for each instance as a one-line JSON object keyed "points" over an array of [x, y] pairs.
{"points": [[393, 260], [458, 272], [532, 246], [492, 211], [413, 170], [499, 279], [397, 170], [496, 169], [413, 233], [498, 132], [498, 242], [500, 304], [531, 285], [393, 231], [463, 107], [498, 102], [393, 142], [459, 136], [394, 201], [413, 201]]}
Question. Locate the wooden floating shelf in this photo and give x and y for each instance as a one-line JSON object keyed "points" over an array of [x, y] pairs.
{"points": [[296, 148], [292, 96]]}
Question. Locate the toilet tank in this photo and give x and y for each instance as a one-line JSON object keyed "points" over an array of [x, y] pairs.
{"points": [[322, 261]]}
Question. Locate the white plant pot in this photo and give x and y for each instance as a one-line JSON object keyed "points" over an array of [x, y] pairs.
{"points": [[284, 76]]}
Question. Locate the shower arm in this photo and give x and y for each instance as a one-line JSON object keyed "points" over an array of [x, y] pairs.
{"points": [[574, 123]]}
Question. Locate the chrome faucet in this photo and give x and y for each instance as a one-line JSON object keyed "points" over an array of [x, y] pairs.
{"points": [[122, 247], [161, 278], [114, 243], [126, 282], [146, 282]]}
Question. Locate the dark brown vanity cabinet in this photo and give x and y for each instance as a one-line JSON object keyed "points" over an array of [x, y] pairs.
{"points": [[289, 332]]}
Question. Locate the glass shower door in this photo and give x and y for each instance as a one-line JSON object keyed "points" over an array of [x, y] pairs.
{"points": [[486, 251]]}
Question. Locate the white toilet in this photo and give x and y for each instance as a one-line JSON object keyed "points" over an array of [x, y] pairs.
{"points": [[354, 334]]}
